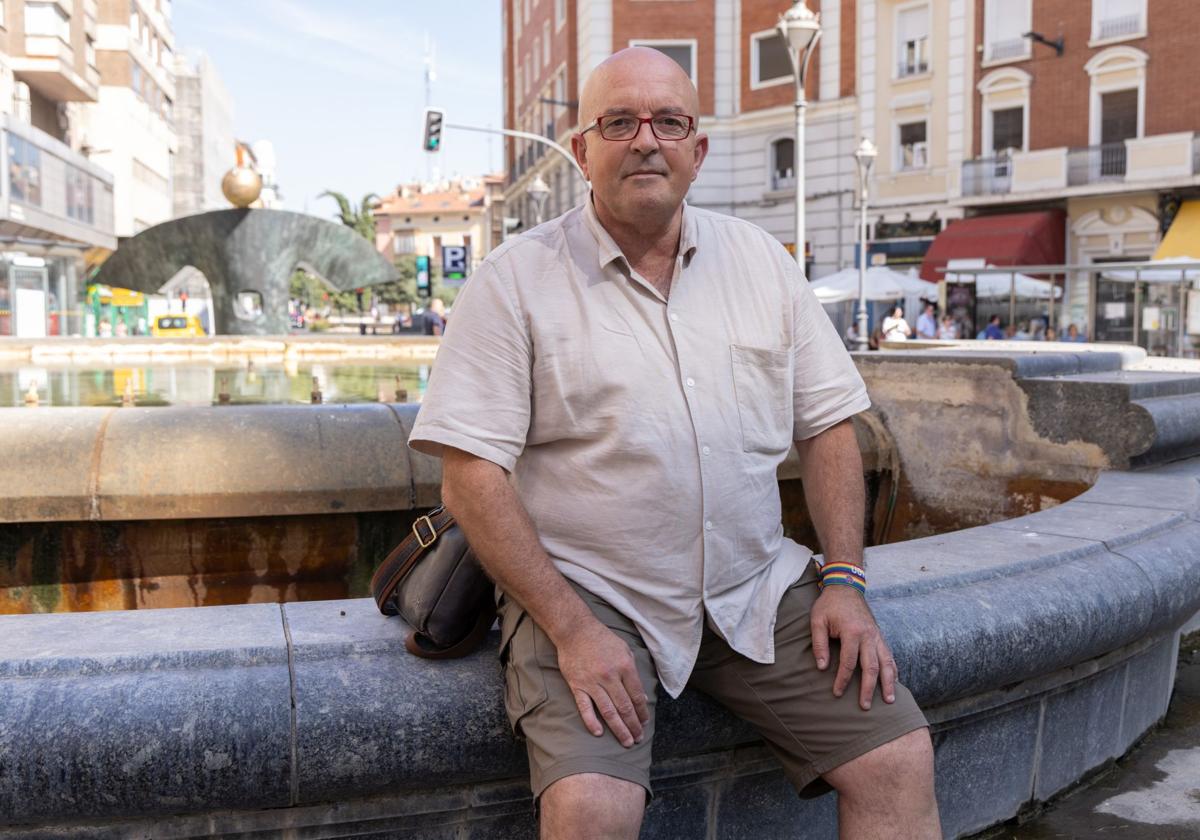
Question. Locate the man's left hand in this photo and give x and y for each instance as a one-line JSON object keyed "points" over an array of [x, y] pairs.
{"points": [[840, 612]]}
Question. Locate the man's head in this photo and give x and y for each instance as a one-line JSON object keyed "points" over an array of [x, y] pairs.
{"points": [[929, 309], [643, 179], [1072, 331], [437, 307], [995, 319]]}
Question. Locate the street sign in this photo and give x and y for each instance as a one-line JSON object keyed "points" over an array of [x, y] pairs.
{"points": [[432, 141], [455, 259]]}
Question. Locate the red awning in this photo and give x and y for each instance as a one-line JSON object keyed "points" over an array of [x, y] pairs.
{"points": [[1038, 238]]}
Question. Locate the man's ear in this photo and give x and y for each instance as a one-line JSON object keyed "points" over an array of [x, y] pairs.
{"points": [[579, 149], [699, 154]]}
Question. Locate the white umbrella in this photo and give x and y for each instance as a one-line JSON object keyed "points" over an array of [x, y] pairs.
{"points": [[1161, 272], [1000, 284], [882, 283]]}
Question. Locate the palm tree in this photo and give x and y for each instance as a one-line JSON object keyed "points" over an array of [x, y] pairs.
{"points": [[362, 221]]}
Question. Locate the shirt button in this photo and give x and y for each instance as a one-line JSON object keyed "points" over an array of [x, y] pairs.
{"points": [[706, 451], [674, 316], [708, 526], [691, 382]]}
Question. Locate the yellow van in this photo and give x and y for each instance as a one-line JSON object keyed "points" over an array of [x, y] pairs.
{"points": [[175, 325]]}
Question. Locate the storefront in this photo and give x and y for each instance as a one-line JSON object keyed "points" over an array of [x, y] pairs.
{"points": [[40, 293]]}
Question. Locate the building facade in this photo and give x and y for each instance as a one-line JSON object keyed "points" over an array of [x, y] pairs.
{"points": [[203, 115], [56, 205], [1095, 120], [419, 219], [130, 128]]}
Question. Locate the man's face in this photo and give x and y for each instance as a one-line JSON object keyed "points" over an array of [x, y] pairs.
{"points": [[643, 178]]}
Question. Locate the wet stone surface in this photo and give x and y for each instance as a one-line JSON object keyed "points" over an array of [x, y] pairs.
{"points": [[1151, 794]]}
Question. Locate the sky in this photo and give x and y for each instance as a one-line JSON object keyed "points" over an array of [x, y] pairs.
{"points": [[338, 86]]}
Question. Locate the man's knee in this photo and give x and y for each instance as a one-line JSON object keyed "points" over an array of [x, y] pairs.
{"points": [[901, 765], [591, 805]]}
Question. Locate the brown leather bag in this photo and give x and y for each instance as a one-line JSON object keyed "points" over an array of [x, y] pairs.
{"points": [[435, 583]]}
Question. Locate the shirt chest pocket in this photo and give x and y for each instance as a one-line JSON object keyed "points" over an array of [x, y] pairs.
{"points": [[762, 382]]}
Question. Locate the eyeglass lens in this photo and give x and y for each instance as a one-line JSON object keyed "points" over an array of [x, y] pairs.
{"points": [[664, 126]]}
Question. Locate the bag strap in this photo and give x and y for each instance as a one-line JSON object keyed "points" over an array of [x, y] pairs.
{"points": [[419, 645], [425, 532]]}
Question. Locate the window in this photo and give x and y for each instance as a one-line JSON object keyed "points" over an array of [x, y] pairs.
{"points": [[770, 62], [404, 242], [1118, 19], [516, 22], [546, 44], [89, 50], [135, 80], [47, 19], [536, 52], [24, 170], [912, 147], [1118, 116], [560, 13], [528, 74], [1008, 129], [682, 52], [525, 10], [1118, 95], [517, 85], [912, 41], [783, 164], [1005, 25]]}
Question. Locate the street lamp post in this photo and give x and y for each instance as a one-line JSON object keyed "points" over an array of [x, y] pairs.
{"points": [[801, 29], [864, 156], [539, 191]]}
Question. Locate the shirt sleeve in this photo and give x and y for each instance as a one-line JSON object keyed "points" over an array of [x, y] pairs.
{"points": [[827, 387], [478, 397]]}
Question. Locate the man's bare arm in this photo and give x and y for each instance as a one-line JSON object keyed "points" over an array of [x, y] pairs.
{"points": [[831, 470], [595, 662]]}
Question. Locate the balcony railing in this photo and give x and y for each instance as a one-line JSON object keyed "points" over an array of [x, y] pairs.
{"points": [[987, 176], [1118, 27], [911, 68], [1096, 164], [1012, 48]]}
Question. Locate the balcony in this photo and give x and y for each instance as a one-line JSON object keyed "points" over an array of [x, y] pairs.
{"points": [[1009, 49], [52, 192], [48, 66], [1124, 26], [1096, 164], [1130, 164]]}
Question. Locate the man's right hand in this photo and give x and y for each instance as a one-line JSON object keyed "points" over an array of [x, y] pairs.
{"points": [[603, 677]]}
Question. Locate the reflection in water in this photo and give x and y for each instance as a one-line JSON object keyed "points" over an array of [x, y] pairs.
{"points": [[201, 384]]}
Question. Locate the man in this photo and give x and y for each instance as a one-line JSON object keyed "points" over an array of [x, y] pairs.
{"points": [[435, 318], [927, 323], [993, 331], [611, 405]]}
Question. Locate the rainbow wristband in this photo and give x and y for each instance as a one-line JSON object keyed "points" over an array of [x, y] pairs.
{"points": [[843, 574]]}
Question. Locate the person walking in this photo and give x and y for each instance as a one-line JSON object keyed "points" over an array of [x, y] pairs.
{"points": [[434, 319], [610, 409]]}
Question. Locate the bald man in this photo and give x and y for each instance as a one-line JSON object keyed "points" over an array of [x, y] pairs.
{"points": [[611, 403]]}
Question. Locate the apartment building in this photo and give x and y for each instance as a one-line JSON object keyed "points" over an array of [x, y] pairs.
{"points": [[203, 113], [130, 128], [743, 75], [1083, 134], [56, 205], [418, 219]]}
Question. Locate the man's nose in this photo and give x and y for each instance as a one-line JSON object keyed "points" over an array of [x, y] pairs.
{"points": [[644, 142]]}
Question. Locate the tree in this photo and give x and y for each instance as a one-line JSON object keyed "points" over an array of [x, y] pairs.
{"points": [[363, 220]]}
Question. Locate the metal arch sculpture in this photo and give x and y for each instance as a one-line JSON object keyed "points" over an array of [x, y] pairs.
{"points": [[246, 250]]}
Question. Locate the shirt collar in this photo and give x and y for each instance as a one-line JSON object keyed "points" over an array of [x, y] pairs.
{"points": [[608, 250]]}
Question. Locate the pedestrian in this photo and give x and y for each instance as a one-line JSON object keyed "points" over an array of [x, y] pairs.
{"points": [[374, 318], [633, 549], [1022, 333], [1073, 334], [993, 331], [927, 323], [895, 328], [947, 330], [434, 318]]}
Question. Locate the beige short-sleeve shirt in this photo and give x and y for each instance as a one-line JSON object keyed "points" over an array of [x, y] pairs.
{"points": [[643, 433]]}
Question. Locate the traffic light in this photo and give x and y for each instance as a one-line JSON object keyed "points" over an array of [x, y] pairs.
{"points": [[423, 277], [433, 129]]}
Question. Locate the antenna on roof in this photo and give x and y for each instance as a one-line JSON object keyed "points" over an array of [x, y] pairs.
{"points": [[430, 78]]}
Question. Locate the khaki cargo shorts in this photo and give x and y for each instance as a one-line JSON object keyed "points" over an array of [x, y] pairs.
{"points": [[790, 703]]}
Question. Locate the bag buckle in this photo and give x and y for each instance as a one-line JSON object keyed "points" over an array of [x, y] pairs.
{"points": [[417, 531]]}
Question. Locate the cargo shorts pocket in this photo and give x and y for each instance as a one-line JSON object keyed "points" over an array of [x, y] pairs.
{"points": [[524, 682], [762, 384]]}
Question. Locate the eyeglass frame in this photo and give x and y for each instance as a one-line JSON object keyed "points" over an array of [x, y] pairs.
{"points": [[642, 120]]}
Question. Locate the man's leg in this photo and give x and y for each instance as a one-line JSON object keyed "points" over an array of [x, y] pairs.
{"points": [[585, 787], [875, 759], [590, 806], [888, 792]]}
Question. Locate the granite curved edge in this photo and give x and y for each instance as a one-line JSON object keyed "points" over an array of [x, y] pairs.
{"points": [[1040, 647]]}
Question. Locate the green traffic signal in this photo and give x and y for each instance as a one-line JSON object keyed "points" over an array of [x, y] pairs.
{"points": [[432, 141]]}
